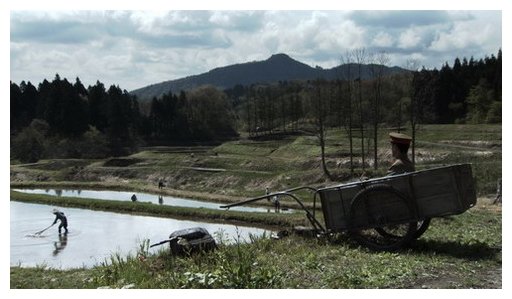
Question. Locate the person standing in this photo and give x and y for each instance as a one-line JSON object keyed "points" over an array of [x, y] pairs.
{"points": [[399, 147], [63, 220]]}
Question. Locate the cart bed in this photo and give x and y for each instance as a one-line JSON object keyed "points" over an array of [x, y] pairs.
{"points": [[430, 193]]}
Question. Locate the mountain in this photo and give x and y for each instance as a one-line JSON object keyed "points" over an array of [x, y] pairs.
{"points": [[279, 67]]}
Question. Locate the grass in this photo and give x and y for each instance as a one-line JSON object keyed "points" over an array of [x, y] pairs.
{"points": [[251, 166], [456, 252], [462, 251], [142, 208]]}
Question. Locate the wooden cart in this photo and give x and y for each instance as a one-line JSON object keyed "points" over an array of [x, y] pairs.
{"points": [[389, 212]]}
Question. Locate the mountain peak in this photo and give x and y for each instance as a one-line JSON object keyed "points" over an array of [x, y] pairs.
{"points": [[278, 67], [279, 56]]}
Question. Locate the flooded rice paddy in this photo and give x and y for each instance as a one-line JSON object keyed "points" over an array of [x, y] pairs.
{"points": [[94, 236], [146, 197]]}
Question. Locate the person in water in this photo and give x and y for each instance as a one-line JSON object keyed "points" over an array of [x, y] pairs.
{"points": [[63, 220]]}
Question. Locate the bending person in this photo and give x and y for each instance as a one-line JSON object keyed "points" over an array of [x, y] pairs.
{"points": [[63, 220]]}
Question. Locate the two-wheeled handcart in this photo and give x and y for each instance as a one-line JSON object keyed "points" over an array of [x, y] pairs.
{"points": [[387, 213]]}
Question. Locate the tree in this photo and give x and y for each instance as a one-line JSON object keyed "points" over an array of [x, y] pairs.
{"points": [[16, 107], [377, 70], [319, 110], [97, 97], [29, 145], [211, 115], [415, 102], [480, 100], [349, 121], [361, 56], [119, 127]]}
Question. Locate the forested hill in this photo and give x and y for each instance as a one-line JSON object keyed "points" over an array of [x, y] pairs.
{"points": [[279, 67]]}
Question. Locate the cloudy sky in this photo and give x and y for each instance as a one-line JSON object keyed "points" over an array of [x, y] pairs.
{"points": [[136, 48]]}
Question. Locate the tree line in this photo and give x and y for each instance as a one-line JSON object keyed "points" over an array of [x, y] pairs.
{"points": [[63, 119], [467, 92], [59, 119]]}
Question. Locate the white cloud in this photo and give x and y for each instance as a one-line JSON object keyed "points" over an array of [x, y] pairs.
{"points": [[469, 34], [383, 39], [138, 48], [410, 38]]}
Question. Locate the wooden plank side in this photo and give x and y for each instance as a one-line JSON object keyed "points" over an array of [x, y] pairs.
{"points": [[336, 206], [433, 192], [436, 192], [466, 185], [331, 204]]}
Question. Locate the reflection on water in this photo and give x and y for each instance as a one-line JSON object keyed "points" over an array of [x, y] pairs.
{"points": [[146, 197], [61, 244], [94, 236]]}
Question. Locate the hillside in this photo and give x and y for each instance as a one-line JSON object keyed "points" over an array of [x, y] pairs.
{"points": [[279, 67]]}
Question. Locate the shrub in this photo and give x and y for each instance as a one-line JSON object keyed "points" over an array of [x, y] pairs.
{"points": [[28, 146]]}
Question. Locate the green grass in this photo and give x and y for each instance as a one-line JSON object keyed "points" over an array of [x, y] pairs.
{"points": [[461, 251], [456, 252], [141, 208], [251, 166]]}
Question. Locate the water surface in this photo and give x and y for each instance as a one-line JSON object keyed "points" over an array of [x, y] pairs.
{"points": [[146, 197], [94, 235]]}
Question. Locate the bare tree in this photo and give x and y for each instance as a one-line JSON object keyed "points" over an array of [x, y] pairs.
{"points": [[319, 108], [348, 60], [415, 107], [380, 60], [361, 57]]}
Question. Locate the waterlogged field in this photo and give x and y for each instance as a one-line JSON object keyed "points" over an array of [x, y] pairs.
{"points": [[461, 251], [94, 235], [145, 197]]}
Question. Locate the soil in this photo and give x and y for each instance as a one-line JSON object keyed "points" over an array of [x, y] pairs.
{"points": [[490, 279]]}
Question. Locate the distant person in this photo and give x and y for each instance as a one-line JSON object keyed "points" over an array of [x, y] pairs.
{"points": [[274, 199], [134, 198], [399, 147], [277, 204], [160, 184], [63, 220]]}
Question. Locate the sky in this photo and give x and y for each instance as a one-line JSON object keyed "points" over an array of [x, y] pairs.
{"points": [[136, 48]]}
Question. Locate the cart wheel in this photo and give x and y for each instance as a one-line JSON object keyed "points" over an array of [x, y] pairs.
{"points": [[421, 227], [381, 215]]}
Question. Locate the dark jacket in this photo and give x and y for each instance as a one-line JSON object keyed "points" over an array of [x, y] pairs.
{"points": [[60, 216]]}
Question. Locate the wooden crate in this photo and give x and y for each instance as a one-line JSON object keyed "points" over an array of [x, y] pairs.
{"points": [[429, 193]]}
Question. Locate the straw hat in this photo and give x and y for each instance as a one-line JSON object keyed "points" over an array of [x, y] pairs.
{"points": [[54, 211]]}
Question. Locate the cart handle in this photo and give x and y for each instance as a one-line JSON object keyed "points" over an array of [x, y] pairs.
{"points": [[285, 192], [311, 217]]}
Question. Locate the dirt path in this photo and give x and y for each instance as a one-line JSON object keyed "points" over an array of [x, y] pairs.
{"points": [[489, 279], [467, 147]]}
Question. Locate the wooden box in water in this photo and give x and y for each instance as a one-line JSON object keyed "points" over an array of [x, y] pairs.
{"points": [[397, 199]]}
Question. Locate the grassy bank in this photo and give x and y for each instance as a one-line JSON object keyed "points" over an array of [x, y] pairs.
{"points": [[462, 251], [141, 208], [244, 168]]}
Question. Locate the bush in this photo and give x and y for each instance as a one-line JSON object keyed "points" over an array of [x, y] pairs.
{"points": [[28, 146], [94, 144], [494, 113]]}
